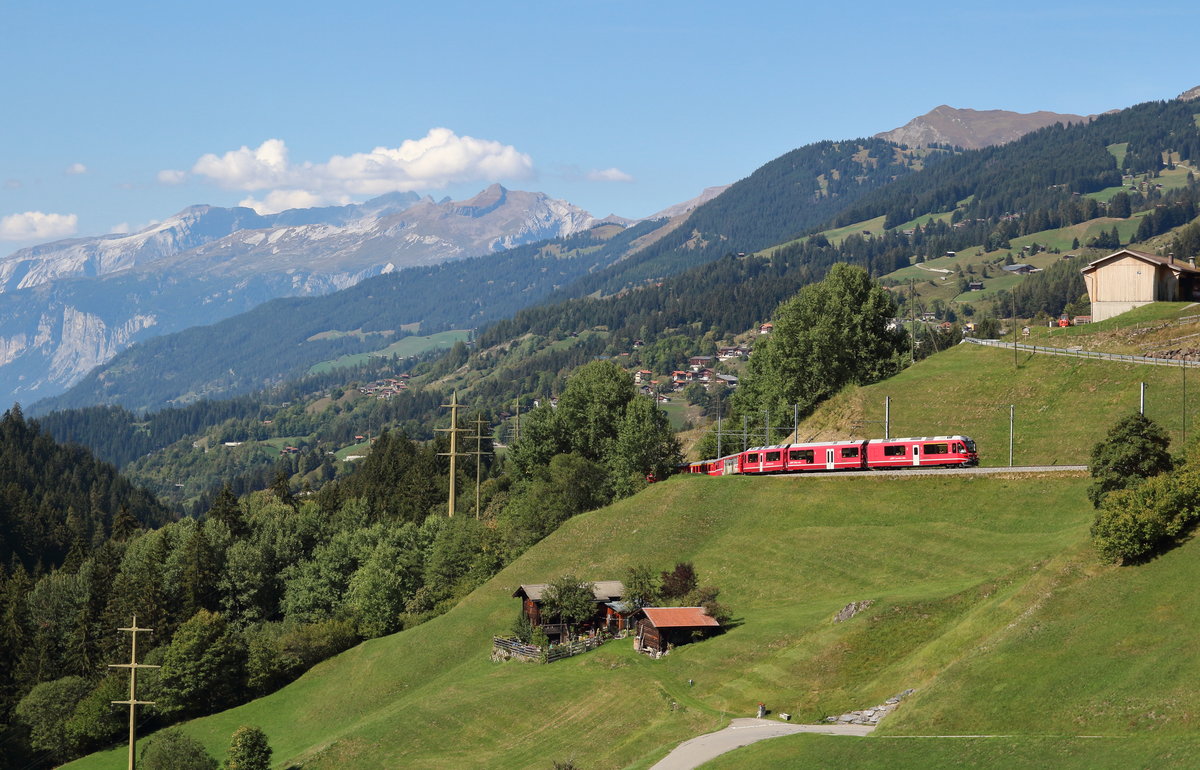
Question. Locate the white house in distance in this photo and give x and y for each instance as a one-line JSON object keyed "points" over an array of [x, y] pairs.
{"points": [[1127, 279]]}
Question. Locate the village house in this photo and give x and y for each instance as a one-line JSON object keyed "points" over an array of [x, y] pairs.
{"points": [[642, 376], [611, 613], [1127, 279], [728, 354], [659, 628], [766, 328], [696, 363]]}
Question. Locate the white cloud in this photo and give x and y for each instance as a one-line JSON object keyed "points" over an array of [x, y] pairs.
{"points": [[34, 225], [121, 228], [438, 159], [77, 168], [608, 175], [171, 176], [282, 200]]}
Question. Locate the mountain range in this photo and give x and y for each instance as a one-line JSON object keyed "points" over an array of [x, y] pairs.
{"points": [[68, 306]]}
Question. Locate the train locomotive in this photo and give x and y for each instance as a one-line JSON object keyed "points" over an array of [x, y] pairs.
{"points": [[860, 455]]}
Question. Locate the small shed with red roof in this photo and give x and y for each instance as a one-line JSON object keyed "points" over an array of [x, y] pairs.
{"points": [[662, 626]]}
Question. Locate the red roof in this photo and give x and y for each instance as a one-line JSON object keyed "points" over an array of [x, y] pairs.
{"points": [[679, 617]]}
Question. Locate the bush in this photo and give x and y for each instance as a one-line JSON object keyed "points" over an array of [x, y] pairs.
{"points": [[1131, 524], [1134, 449], [173, 749], [248, 750]]}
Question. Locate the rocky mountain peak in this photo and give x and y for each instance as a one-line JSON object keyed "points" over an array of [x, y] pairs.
{"points": [[483, 203], [973, 129]]}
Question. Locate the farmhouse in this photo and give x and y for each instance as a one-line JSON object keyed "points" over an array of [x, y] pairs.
{"points": [[1127, 279], [610, 612], [659, 627]]}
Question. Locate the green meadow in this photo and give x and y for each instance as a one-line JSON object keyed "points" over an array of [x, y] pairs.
{"points": [[988, 602]]}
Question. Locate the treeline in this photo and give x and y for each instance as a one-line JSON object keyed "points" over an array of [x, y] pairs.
{"points": [[56, 501]]}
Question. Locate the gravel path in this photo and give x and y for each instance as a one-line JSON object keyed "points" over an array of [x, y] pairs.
{"points": [[743, 732]]}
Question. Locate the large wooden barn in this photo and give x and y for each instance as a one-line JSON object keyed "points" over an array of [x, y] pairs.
{"points": [[1127, 279]]}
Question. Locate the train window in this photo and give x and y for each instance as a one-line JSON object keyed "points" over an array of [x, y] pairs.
{"points": [[937, 449], [772, 457], [850, 451], [752, 458], [801, 455], [896, 450]]}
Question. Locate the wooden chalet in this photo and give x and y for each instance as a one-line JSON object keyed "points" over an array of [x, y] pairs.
{"points": [[658, 627], [611, 613]]}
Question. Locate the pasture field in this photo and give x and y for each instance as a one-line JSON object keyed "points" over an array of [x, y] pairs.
{"points": [[407, 346]]}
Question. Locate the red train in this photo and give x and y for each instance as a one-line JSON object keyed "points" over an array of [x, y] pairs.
{"points": [[865, 454]]}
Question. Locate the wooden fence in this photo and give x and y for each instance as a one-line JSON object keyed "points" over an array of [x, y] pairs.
{"points": [[517, 649]]}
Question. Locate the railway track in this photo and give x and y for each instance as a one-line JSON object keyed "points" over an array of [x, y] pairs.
{"points": [[977, 471]]}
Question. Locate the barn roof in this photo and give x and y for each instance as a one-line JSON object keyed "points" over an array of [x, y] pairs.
{"points": [[603, 590], [679, 617], [1174, 264]]}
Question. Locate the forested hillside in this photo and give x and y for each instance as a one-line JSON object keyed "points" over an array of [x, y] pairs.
{"points": [[58, 500], [795, 192]]}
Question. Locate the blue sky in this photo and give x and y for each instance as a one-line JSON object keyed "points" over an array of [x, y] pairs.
{"points": [[118, 114]]}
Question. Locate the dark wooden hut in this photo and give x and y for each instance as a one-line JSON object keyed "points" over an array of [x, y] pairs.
{"points": [[608, 595], [658, 627]]}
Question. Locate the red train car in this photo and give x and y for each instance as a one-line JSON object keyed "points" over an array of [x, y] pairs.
{"points": [[921, 452], [927, 451]]}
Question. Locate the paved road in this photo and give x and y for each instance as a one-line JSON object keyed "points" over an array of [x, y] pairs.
{"points": [[742, 732], [932, 471]]}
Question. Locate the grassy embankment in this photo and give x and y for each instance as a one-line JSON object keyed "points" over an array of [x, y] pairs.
{"points": [[988, 601]]}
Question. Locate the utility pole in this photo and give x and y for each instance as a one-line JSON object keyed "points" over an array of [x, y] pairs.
{"points": [[453, 430], [719, 429], [766, 427], [744, 433], [912, 315], [1012, 414], [795, 423], [133, 666], [517, 432], [1185, 403], [1142, 401], [887, 417], [479, 453]]}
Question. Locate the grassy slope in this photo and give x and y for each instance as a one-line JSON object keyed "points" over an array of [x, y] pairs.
{"points": [[430, 697], [1063, 405], [407, 346], [988, 602]]}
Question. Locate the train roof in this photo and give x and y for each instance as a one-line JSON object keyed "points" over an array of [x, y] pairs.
{"points": [[919, 438], [806, 445]]}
